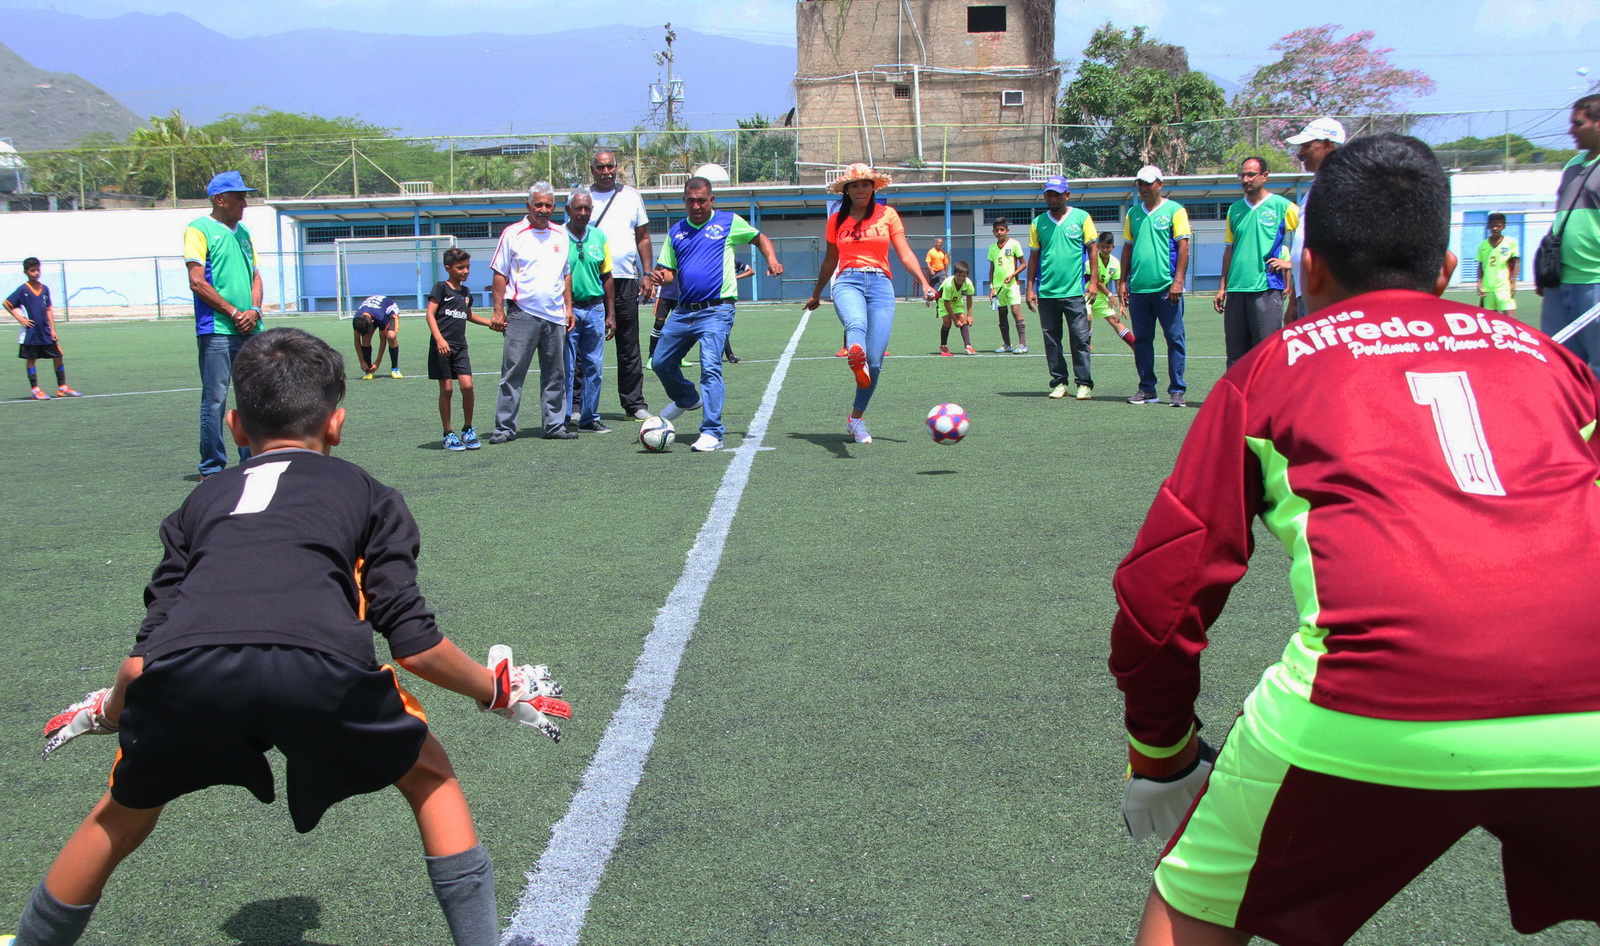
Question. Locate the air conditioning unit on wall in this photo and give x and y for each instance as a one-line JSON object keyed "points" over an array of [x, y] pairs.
{"points": [[1011, 97]]}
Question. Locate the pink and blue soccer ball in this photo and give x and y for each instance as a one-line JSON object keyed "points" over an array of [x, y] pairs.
{"points": [[948, 422]]}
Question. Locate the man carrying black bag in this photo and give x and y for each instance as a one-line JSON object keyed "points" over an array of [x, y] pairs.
{"points": [[1567, 267]]}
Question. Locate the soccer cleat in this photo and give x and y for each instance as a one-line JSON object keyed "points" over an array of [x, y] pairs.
{"points": [[971, 350], [706, 444], [1058, 392], [731, 359], [1178, 400], [469, 439], [452, 442], [857, 360], [672, 411], [842, 353], [367, 376], [1144, 397], [944, 351], [395, 374], [1003, 350], [1020, 350], [39, 395], [650, 363], [1084, 391], [856, 427], [65, 391]]}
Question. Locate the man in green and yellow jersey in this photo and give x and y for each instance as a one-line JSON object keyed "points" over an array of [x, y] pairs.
{"points": [[1060, 241], [1155, 257], [1259, 228]]}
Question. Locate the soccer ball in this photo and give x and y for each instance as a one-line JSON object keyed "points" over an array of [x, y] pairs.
{"points": [[948, 422], [657, 434]]}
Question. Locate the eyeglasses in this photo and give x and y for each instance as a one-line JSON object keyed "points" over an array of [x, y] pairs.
{"points": [[605, 167]]}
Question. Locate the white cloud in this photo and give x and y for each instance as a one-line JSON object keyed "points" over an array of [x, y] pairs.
{"points": [[1534, 17]]}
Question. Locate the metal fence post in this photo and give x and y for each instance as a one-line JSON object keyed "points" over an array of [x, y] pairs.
{"points": [[160, 296]]}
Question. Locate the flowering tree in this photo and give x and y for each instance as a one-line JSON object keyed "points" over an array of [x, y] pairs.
{"points": [[1320, 74]]}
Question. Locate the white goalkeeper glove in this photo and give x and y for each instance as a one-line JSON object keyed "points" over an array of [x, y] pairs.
{"points": [[525, 694], [83, 718], [1157, 805]]}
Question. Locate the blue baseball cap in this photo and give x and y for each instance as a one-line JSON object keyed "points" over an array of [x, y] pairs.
{"points": [[1057, 183], [226, 182]]}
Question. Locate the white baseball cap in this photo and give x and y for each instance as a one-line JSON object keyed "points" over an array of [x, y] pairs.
{"points": [[1149, 174], [1322, 129]]}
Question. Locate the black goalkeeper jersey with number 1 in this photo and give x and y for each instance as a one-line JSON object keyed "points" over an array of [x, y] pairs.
{"points": [[293, 548]]}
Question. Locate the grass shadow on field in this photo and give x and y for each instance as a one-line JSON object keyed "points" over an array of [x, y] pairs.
{"points": [[834, 442], [1035, 394], [280, 922]]}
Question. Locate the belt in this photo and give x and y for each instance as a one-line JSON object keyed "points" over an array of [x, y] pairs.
{"points": [[589, 301], [697, 306]]}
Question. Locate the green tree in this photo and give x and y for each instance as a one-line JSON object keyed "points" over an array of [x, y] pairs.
{"points": [[170, 157], [1135, 101], [766, 156]]}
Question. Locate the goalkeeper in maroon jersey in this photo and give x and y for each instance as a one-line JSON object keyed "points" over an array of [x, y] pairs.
{"points": [[1387, 440], [258, 635]]}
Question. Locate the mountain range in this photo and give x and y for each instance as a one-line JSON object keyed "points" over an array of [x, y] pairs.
{"points": [[592, 79], [41, 109]]}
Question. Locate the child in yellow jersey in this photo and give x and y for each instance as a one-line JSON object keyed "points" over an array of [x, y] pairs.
{"points": [[955, 305]]}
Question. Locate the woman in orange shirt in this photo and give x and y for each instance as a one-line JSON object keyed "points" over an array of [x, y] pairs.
{"points": [[860, 236]]}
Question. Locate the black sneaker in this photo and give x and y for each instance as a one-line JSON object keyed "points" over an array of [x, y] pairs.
{"points": [[732, 359], [1144, 397], [595, 427], [560, 433]]}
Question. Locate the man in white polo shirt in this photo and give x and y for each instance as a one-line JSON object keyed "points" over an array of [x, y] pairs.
{"points": [[533, 307], [619, 214], [1321, 138]]}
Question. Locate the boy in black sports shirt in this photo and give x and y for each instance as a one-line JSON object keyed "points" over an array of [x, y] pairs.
{"points": [[449, 311], [258, 634]]}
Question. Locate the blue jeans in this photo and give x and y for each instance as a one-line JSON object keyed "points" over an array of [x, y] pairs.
{"points": [[216, 374], [1145, 309], [1565, 303], [710, 327], [587, 338], [865, 304]]}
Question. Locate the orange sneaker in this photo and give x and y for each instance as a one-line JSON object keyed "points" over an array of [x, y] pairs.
{"points": [[842, 353], [38, 395], [65, 391], [971, 350], [858, 363], [944, 351]]}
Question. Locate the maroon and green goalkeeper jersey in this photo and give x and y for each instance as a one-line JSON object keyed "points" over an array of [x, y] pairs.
{"points": [[1430, 472]]}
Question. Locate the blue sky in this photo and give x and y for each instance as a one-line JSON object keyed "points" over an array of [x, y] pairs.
{"points": [[1484, 54]]}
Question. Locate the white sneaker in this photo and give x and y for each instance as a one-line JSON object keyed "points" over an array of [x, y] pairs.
{"points": [[672, 411], [640, 414], [1084, 392], [1058, 392], [705, 444], [857, 428]]}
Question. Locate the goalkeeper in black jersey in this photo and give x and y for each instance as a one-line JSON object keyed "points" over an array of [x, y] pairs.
{"points": [[258, 635]]}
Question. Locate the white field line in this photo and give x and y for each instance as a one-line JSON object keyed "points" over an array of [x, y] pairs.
{"points": [[556, 901]]}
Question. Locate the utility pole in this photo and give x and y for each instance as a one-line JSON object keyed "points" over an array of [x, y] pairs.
{"points": [[669, 93]]}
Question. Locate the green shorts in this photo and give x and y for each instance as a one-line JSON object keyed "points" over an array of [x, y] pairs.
{"points": [[1009, 295], [1502, 300], [1296, 856]]}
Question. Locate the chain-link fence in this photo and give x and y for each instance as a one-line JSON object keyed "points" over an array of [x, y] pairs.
{"points": [[356, 167]]}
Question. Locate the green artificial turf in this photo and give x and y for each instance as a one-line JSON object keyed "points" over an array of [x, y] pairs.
{"points": [[893, 723]]}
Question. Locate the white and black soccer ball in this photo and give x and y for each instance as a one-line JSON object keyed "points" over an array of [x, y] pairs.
{"points": [[657, 435], [949, 423]]}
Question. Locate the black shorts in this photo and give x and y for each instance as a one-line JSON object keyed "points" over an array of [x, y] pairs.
{"points": [[444, 367], [37, 352], [207, 716]]}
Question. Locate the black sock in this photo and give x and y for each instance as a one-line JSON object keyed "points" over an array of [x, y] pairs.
{"points": [[33, 377], [944, 336], [1005, 332], [61, 375], [464, 884], [366, 355], [394, 357], [47, 921]]}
